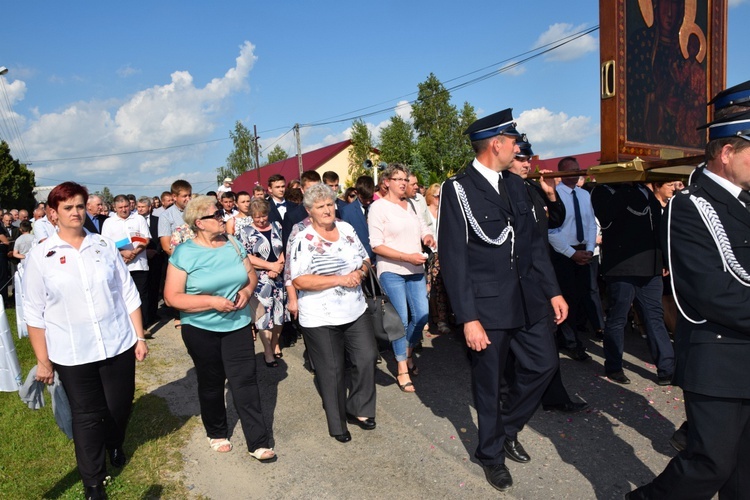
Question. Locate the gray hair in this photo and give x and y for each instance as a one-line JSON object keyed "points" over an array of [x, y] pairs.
{"points": [[316, 193], [146, 200], [196, 208], [395, 167]]}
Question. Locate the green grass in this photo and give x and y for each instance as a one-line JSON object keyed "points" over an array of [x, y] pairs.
{"points": [[38, 461]]}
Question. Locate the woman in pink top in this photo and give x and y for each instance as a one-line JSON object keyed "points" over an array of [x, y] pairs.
{"points": [[396, 237]]}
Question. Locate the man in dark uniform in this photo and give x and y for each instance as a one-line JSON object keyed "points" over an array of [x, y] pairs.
{"points": [[500, 284], [549, 213], [706, 239], [632, 265]]}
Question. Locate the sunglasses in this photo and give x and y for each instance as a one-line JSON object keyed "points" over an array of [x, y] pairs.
{"points": [[217, 216]]}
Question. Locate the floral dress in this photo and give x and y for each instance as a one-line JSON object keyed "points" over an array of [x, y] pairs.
{"points": [[240, 223], [270, 292]]}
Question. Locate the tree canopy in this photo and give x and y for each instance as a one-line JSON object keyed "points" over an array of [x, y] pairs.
{"points": [[433, 146], [242, 157], [361, 150], [16, 181], [277, 154]]}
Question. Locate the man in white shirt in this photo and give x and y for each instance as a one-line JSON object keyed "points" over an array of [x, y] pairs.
{"points": [[131, 235], [171, 218], [573, 244], [225, 186], [420, 204]]}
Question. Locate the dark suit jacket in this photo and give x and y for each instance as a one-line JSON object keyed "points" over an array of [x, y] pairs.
{"points": [[352, 213], [630, 242], [340, 204], [90, 225], [713, 357], [273, 213], [154, 244], [485, 282], [294, 214], [549, 214]]}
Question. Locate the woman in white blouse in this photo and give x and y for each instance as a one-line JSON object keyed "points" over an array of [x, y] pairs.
{"points": [[84, 319], [327, 267]]}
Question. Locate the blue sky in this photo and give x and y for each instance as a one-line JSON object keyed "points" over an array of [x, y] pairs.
{"points": [[95, 79]]}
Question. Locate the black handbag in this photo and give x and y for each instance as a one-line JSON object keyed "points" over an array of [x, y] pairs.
{"points": [[386, 322]]}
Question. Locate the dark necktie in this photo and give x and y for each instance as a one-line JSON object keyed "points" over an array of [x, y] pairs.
{"points": [[745, 198], [579, 220], [95, 220], [503, 192]]}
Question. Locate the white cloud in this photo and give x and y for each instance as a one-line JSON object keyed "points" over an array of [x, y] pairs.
{"points": [[127, 70], [735, 3], [555, 131], [513, 69], [174, 113], [403, 109], [572, 50]]}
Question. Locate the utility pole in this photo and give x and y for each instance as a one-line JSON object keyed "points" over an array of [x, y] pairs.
{"points": [[257, 161], [299, 149]]}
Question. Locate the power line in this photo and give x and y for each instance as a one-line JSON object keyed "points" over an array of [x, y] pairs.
{"points": [[12, 119], [348, 116]]}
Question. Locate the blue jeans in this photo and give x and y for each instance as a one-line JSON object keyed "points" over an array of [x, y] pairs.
{"points": [[407, 293], [646, 292]]}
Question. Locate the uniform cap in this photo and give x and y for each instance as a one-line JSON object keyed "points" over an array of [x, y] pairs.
{"points": [[500, 123]]}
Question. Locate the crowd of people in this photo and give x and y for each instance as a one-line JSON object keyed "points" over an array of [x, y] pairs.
{"points": [[522, 268]]}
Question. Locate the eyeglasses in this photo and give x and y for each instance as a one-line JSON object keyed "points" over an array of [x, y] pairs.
{"points": [[217, 216], [399, 179]]}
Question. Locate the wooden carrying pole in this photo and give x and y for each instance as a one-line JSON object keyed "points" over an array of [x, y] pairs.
{"points": [[635, 170]]}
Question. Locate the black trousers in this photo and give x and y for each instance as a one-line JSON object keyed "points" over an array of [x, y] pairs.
{"points": [[153, 286], [717, 457], [536, 363], [222, 356], [575, 285], [140, 278], [101, 397], [329, 347]]}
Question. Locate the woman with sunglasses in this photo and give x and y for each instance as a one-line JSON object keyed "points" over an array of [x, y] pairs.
{"points": [[210, 281], [396, 236]]}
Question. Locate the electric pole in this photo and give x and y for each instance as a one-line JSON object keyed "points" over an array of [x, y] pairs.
{"points": [[299, 149]]}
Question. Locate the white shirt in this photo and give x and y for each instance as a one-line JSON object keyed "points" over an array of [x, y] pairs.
{"points": [[223, 189], [42, 229], [311, 254], [563, 237], [732, 188], [492, 177], [129, 234], [280, 208], [82, 298]]}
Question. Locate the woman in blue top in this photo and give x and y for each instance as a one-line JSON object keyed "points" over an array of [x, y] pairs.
{"points": [[210, 281]]}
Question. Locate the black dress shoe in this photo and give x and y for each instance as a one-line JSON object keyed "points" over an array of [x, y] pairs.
{"points": [[515, 451], [679, 438], [117, 457], [618, 377], [95, 492], [577, 354], [599, 336], [367, 424], [569, 407], [664, 380], [498, 476], [342, 438]]}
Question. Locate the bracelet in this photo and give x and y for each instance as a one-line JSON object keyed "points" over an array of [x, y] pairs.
{"points": [[142, 339]]}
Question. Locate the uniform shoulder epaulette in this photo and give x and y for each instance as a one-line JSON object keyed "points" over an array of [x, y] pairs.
{"points": [[457, 176]]}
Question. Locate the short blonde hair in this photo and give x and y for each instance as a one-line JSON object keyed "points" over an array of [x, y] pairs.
{"points": [[196, 208], [429, 196]]}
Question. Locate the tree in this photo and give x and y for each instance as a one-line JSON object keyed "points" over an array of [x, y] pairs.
{"points": [[438, 128], [16, 181], [242, 158], [277, 154], [397, 142], [106, 195], [361, 150]]}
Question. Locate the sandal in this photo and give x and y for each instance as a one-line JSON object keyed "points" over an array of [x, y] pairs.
{"points": [[413, 370], [272, 364], [278, 355], [263, 454], [403, 387], [218, 443], [177, 323]]}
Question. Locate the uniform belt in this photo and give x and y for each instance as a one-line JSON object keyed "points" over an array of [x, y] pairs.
{"points": [[582, 246]]}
